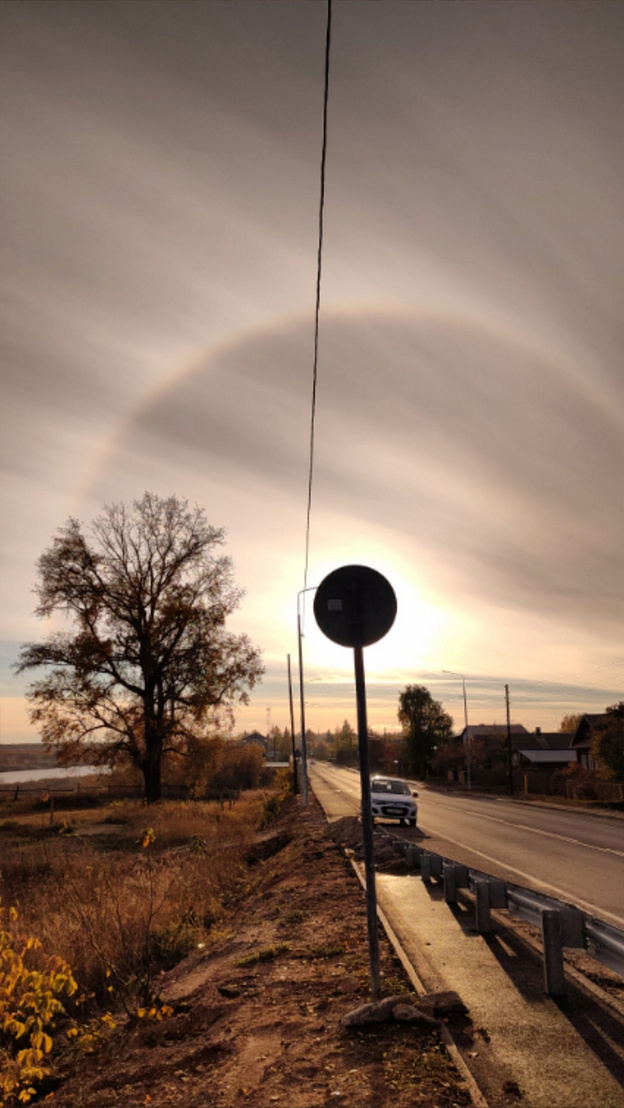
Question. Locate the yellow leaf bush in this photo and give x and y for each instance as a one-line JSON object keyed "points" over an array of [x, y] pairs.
{"points": [[30, 985]]}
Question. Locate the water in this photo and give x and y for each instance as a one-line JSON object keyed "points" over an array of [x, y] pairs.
{"points": [[11, 777]]}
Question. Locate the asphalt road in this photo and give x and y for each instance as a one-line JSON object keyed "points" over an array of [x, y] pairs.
{"points": [[575, 856]]}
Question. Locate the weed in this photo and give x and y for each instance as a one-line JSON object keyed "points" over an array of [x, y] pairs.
{"points": [[291, 919], [30, 986], [331, 950], [267, 954], [271, 811]]}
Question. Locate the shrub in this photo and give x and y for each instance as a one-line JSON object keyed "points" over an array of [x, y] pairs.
{"points": [[30, 986], [119, 911]]}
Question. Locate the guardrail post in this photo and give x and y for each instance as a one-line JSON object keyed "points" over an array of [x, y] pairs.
{"points": [[425, 866], [450, 887], [482, 898], [413, 855], [554, 984], [462, 876]]}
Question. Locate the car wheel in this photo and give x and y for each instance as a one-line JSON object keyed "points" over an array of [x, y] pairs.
{"points": [[413, 821], [401, 823]]}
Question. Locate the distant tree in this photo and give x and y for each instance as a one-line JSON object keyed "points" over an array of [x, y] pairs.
{"points": [[425, 724], [321, 750], [608, 743], [147, 665], [570, 723], [345, 745], [449, 755], [393, 754], [279, 744]]}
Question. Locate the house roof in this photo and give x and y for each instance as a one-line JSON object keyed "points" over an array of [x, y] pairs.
{"points": [[519, 734], [548, 757], [555, 740], [254, 737], [587, 725], [478, 730]]}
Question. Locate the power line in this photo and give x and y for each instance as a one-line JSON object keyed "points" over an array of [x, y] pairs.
{"points": [[319, 260]]}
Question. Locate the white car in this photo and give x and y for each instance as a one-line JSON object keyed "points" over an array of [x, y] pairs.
{"points": [[392, 798]]}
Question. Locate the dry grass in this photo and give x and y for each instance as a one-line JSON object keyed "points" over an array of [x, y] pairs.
{"points": [[125, 903]]}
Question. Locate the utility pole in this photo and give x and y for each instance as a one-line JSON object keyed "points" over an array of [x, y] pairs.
{"points": [[467, 733], [304, 752], [292, 727], [509, 751], [304, 759]]}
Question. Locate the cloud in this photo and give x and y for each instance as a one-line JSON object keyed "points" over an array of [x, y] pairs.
{"points": [[467, 445], [161, 172]]}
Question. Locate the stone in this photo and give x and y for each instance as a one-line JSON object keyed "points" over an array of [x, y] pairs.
{"points": [[408, 1013], [347, 985], [377, 1011]]}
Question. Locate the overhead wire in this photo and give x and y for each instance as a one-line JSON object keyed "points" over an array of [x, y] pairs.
{"points": [[317, 311]]}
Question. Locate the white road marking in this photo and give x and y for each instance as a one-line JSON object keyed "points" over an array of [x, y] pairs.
{"points": [[547, 834], [563, 894]]}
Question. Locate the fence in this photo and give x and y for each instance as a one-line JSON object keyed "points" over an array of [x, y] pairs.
{"points": [[76, 789], [562, 925]]}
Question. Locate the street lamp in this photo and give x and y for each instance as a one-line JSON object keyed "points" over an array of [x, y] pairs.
{"points": [[451, 673], [304, 758]]}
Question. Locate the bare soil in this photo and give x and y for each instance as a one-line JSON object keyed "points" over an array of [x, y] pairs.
{"points": [[256, 1016]]}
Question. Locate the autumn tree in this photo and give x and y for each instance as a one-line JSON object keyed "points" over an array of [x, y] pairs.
{"points": [[570, 722], [449, 756], [608, 743], [145, 665], [345, 745], [279, 744], [425, 724]]}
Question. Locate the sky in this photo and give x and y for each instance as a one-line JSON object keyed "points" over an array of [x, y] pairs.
{"points": [[160, 199]]}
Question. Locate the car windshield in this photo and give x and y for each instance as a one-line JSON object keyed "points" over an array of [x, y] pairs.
{"points": [[388, 786]]}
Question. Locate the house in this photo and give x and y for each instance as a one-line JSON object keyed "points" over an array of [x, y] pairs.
{"points": [[519, 734], [553, 752], [584, 736], [256, 739]]}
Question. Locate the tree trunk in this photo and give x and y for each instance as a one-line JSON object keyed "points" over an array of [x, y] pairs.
{"points": [[151, 769]]}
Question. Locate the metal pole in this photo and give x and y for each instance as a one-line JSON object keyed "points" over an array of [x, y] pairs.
{"points": [[304, 760], [452, 673], [367, 821], [468, 764], [292, 727], [509, 752]]}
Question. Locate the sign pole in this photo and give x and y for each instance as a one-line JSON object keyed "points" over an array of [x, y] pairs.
{"points": [[367, 822], [356, 606]]}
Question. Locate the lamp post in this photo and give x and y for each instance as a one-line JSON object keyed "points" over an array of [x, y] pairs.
{"points": [[304, 758], [451, 673]]}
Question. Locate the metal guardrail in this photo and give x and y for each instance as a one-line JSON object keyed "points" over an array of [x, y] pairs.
{"points": [[563, 925]]}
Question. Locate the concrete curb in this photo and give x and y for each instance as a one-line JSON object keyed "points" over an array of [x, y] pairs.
{"points": [[476, 1095], [475, 1092]]}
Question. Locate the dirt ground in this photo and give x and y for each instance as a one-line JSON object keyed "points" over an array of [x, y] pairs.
{"points": [[256, 1016]]}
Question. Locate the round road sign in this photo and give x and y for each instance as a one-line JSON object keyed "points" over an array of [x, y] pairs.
{"points": [[355, 606]]}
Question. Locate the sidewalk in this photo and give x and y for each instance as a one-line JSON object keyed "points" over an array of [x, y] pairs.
{"points": [[558, 1054]]}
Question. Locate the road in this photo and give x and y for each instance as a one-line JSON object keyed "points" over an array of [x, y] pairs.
{"points": [[574, 856]]}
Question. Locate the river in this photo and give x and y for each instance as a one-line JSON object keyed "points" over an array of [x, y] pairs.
{"points": [[11, 777]]}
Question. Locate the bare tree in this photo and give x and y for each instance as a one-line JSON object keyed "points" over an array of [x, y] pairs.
{"points": [[147, 663]]}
